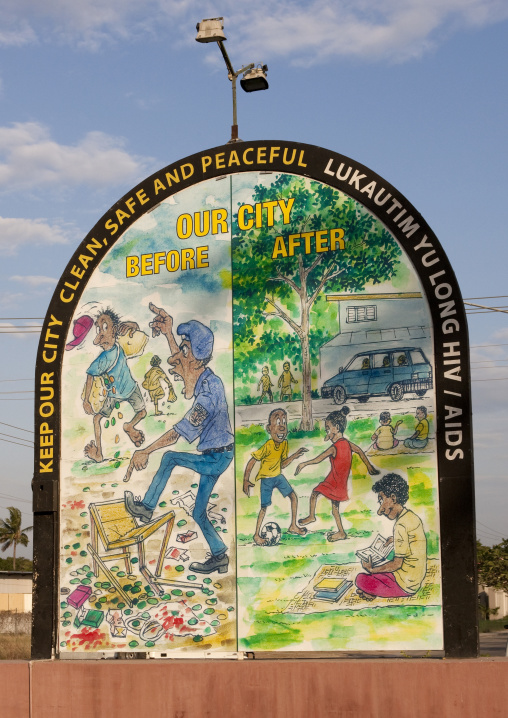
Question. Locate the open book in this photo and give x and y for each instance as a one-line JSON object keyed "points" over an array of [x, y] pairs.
{"points": [[377, 551]]}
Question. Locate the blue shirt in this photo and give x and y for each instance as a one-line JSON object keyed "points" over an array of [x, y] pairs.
{"points": [[208, 418], [112, 363]]}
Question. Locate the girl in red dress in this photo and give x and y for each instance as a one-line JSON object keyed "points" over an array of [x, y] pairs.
{"points": [[334, 487]]}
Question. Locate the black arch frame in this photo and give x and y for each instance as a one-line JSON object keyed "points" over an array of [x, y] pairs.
{"points": [[452, 372]]}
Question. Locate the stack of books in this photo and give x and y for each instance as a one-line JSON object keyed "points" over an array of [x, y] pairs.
{"points": [[331, 589]]}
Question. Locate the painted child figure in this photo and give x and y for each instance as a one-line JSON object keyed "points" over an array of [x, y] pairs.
{"points": [[274, 457], [420, 438], [334, 487], [152, 383], [404, 573], [265, 385], [384, 436], [285, 381], [121, 387]]}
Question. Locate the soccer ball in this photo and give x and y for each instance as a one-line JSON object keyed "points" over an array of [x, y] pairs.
{"points": [[271, 533]]}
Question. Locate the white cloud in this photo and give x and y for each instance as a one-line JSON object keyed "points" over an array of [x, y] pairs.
{"points": [[19, 33], [29, 157], [369, 29], [16, 232], [304, 32], [35, 280], [11, 298]]}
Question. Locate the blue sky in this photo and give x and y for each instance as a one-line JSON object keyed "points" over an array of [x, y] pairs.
{"points": [[96, 95]]}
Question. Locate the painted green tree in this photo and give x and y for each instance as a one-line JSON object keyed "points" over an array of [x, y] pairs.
{"points": [[291, 289]]}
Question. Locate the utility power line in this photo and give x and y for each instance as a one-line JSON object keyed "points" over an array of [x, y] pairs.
{"points": [[16, 437], [501, 378], [483, 361], [8, 441], [487, 533], [478, 346], [15, 498], [4, 380], [482, 306], [491, 528], [23, 512], [28, 431], [502, 366], [20, 391]]}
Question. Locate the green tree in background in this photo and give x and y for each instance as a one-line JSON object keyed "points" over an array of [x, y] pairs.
{"points": [[291, 289], [11, 533], [493, 565]]}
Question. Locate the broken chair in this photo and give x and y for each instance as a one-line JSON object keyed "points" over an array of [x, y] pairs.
{"points": [[118, 531]]}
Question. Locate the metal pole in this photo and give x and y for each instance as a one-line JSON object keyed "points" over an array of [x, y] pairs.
{"points": [[234, 127], [226, 57], [232, 76]]}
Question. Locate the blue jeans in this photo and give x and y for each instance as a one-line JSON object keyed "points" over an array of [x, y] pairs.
{"points": [[209, 467], [416, 443]]}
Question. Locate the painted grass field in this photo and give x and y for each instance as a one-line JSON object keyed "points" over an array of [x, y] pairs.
{"points": [[275, 582]]}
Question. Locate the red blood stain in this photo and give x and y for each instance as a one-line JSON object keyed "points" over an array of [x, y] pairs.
{"points": [[172, 622], [74, 553], [91, 638], [77, 504], [152, 561]]}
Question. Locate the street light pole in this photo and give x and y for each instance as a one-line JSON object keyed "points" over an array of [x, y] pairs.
{"points": [[233, 76], [254, 79]]}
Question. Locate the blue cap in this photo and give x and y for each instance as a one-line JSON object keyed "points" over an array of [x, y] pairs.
{"points": [[199, 336]]}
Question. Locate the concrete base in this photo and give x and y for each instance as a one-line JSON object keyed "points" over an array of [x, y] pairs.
{"points": [[367, 688], [15, 689]]}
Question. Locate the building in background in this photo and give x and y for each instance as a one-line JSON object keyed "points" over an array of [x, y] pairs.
{"points": [[16, 591]]}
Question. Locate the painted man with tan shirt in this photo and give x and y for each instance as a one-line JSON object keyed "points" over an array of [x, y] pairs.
{"points": [[404, 573]]}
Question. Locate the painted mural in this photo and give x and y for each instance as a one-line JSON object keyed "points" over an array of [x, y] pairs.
{"points": [[147, 513], [248, 432], [336, 472]]}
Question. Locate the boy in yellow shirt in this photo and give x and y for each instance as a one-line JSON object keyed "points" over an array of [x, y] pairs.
{"points": [[285, 381], [265, 384], [274, 456], [420, 438]]}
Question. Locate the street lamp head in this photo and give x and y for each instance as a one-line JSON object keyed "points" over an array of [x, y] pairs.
{"points": [[255, 79], [211, 30]]}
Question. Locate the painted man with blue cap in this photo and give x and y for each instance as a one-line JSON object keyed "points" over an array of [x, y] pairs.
{"points": [[207, 419]]}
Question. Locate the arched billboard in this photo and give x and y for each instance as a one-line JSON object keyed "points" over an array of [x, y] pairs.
{"points": [[254, 419]]}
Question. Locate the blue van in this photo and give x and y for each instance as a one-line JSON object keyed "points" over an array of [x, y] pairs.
{"points": [[377, 372]]}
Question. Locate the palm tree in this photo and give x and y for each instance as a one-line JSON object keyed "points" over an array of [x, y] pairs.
{"points": [[11, 533]]}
